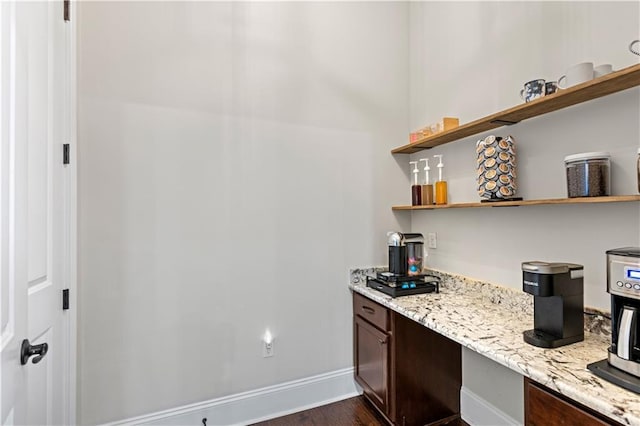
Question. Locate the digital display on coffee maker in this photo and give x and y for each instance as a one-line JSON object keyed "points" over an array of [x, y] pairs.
{"points": [[633, 274]]}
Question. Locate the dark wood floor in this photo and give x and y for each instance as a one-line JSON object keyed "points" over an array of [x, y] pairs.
{"points": [[349, 412]]}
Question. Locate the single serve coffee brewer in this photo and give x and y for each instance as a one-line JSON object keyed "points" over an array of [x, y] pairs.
{"points": [[622, 365], [405, 253], [406, 275], [558, 303]]}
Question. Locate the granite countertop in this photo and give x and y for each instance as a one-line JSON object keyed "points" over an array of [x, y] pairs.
{"points": [[490, 319]]}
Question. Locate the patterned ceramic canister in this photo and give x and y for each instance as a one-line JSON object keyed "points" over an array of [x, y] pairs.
{"points": [[496, 161]]}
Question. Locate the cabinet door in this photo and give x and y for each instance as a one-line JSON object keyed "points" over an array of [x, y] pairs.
{"points": [[371, 362], [427, 374], [543, 408]]}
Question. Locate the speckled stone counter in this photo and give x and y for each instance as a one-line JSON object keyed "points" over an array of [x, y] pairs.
{"points": [[490, 319]]}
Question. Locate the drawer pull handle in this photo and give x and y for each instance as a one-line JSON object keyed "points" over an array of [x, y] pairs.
{"points": [[368, 310], [382, 341]]}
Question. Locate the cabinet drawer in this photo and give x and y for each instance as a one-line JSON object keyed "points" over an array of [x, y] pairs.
{"points": [[544, 408], [376, 314]]}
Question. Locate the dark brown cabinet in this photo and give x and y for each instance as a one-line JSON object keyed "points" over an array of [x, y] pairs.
{"points": [[372, 352], [411, 374], [542, 406], [372, 363]]}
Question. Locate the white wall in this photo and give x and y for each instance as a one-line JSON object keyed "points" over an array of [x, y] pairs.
{"points": [[234, 163], [491, 50], [469, 60], [492, 395]]}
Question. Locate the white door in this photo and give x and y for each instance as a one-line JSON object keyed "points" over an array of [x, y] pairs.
{"points": [[34, 213]]}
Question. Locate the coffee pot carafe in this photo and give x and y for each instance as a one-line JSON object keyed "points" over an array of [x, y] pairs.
{"points": [[625, 339]]}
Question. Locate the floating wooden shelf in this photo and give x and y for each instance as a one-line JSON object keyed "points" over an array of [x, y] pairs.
{"points": [[611, 83], [580, 200]]}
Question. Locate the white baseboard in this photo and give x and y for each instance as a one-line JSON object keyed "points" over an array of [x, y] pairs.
{"points": [[258, 405], [478, 412]]}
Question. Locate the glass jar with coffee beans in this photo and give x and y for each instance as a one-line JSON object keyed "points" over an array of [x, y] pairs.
{"points": [[588, 174]]}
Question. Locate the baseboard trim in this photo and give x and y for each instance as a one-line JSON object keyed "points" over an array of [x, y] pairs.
{"points": [[258, 405], [478, 412]]}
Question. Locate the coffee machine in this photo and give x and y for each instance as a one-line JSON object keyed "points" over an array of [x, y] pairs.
{"points": [[622, 365], [558, 303], [405, 253], [405, 275]]}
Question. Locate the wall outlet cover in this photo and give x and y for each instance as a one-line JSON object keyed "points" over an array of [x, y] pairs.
{"points": [[267, 349], [432, 241]]}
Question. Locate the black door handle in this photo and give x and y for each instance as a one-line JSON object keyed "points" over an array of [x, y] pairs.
{"points": [[27, 350]]}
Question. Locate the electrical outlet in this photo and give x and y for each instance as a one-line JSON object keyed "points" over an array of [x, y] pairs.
{"points": [[267, 349], [267, 344], [432, 241]]}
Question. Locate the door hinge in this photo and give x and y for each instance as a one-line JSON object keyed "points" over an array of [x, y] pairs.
{"points": [[65, 153], [65, 299], [66, 12]]}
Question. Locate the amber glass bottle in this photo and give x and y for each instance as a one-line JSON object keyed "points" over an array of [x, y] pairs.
{"points": [[427, 195], [441, 185], [441, 192], [416, 195]]}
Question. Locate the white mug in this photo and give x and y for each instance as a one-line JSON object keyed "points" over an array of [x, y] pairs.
{"points": [[601, 70], [577, 74]]}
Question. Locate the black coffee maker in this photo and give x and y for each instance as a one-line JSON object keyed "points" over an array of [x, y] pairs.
{"points": [[557, 304], [405, 253], [405, 275], [622, 365]]}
